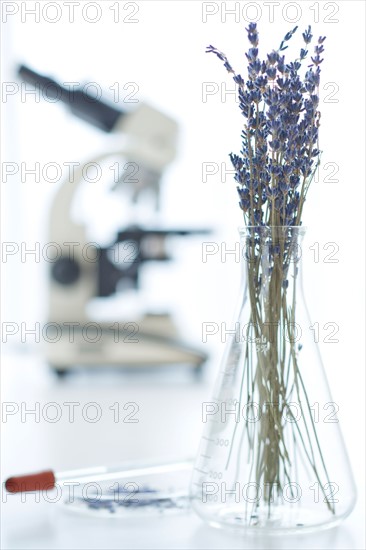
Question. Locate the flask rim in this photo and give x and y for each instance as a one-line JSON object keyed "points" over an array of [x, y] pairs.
{"points": [[267, 229]]}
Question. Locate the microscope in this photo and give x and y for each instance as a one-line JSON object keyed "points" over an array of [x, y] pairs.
{"points": [[81, 271]]}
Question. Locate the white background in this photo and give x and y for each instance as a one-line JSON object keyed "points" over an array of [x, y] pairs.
{"points": [[164, 54]]}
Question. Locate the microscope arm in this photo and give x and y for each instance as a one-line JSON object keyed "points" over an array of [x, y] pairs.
{"points": [[151, 144]]}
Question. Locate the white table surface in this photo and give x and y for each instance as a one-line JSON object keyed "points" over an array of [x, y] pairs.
{"points": [[169, 426]]}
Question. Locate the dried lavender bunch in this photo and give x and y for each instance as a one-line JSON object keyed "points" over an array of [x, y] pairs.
{"points": [[280, 151], [273, 171]]}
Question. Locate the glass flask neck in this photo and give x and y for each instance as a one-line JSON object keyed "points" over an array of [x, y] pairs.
{"points": [[271, 255]]}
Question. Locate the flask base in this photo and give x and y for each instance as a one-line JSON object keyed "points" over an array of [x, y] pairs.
{"points": [[281, 521]]}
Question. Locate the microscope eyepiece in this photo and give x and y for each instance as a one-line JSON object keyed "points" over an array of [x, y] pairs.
{"points": [[81, 103]]}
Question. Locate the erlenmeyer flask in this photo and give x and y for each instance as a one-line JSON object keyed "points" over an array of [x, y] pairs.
{"points": [[272, 456]]}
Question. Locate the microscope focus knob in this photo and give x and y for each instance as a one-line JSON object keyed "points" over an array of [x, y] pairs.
{"points": [[65, 271]]}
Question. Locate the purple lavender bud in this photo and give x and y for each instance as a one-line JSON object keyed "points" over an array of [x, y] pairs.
{"points": [[252, 54], [287, 169], [290, 33], [307, 36], [228, 67], [272, 57], [294, 181], [271, 73], [275, 144], [253, 39], [255, 95], [261, 82], [283, 187], [281, 64], [252, 27], [238, 80]]}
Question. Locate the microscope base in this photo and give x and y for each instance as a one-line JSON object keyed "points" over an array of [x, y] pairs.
{"points": [[105, 345]]}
